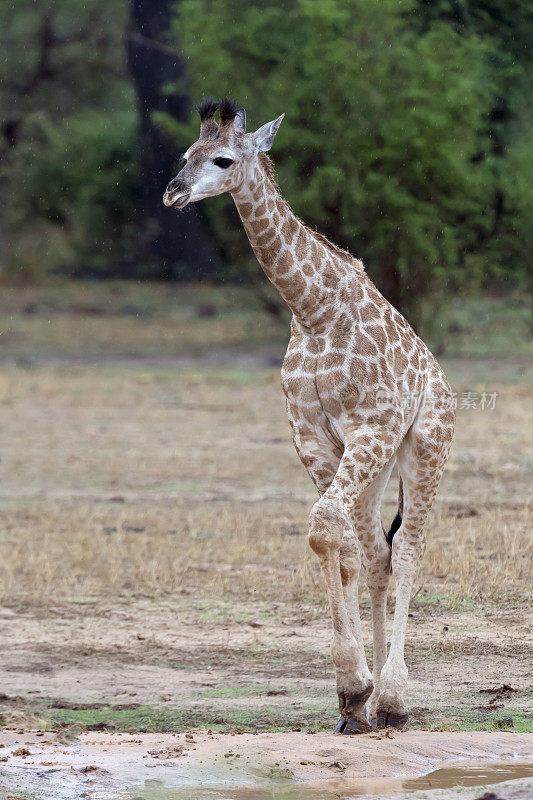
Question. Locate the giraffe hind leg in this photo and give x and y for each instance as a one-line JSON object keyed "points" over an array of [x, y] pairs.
{"points": [[421, 460]]}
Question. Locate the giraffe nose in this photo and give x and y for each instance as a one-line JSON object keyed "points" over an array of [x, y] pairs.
{"points": [[176, 185]]}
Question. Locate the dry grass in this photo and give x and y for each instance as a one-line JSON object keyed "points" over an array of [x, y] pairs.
{"points": [[88, 322], [55, 551], [480, 558], [145, 481], [154, 513]]}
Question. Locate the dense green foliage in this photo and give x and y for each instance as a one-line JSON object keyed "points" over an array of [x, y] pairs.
{"points": [[506, 143], [88, 168], [68, 150], [388, 145], [406, 137]]}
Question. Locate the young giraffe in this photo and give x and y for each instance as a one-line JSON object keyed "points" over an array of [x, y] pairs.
{"points": [[351, 362]]}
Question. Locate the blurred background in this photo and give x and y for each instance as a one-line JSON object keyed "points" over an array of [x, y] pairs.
{"points": [[407, 139], [154, 561]]}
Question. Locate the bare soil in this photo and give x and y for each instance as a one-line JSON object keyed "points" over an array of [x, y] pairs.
{"points": [[144, 664]]}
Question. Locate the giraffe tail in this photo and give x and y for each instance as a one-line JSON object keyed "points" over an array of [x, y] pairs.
{"points": [[397, 521]]}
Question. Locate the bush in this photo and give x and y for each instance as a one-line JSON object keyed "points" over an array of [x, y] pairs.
{"points": [[377, 147], [79, 195]]}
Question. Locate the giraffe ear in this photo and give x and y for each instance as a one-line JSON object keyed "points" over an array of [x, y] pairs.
{"points": [[263, 138]]}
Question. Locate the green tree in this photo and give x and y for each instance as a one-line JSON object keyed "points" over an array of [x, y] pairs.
{"points": [[502, 249], [84, 178], [377, 147], [67, 128]]}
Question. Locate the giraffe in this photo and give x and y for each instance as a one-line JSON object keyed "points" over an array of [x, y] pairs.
{"points": [[363, 394]]}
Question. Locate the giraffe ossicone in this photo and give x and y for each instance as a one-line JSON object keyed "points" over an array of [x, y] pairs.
{"points": [[364, 395]]}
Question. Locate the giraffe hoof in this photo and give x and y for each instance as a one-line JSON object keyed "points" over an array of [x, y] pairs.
{"points": [[387, 719], [351, 726], [350, 703], [340, 725]]}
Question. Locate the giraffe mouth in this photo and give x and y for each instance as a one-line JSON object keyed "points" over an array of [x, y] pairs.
{"points": [[176, 200]]}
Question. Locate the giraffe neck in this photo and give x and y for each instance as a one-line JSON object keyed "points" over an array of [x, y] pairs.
{"points": [[308, 274]]}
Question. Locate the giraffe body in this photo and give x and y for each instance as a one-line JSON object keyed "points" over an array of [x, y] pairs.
{"points": [[363, 394]]}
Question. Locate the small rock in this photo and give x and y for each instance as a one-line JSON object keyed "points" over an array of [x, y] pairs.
{"points": [[338, 764], [169, 752]]}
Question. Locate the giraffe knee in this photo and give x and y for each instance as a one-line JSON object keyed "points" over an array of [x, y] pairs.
{"points": [[326, 525]]}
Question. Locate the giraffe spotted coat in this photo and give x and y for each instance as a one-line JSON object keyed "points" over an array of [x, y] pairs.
{"points": [[363, 394]]}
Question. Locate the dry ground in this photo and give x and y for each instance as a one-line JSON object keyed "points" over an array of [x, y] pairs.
{"points": [[154, 569]]}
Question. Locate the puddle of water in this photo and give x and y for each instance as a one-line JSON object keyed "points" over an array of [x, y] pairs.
{"points": [[469, 774], [59, 783]]}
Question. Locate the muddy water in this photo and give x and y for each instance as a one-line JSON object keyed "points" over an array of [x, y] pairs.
{"points": [[265, 766], [513, 774], [467, 775], [472, 774]]}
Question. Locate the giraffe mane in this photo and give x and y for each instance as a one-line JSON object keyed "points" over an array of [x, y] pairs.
{"points": [[268, 167], [339, 251]]}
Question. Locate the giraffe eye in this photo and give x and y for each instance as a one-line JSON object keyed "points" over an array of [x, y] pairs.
{"points": [[223, 163]]}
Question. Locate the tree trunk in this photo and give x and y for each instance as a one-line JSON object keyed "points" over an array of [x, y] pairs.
{"points": [[172, 244]]}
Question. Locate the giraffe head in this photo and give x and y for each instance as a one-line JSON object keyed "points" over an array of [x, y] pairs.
{"points": [[222, 158]]}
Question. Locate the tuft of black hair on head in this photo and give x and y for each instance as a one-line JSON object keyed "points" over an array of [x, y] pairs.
{"points": [[207, 107], [228, 110]]}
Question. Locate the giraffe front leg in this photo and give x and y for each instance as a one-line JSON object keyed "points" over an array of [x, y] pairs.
{"points": [[366, 517], [378, 601], [377, 561], [361, 464], [328, 522], [350, 566]]}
